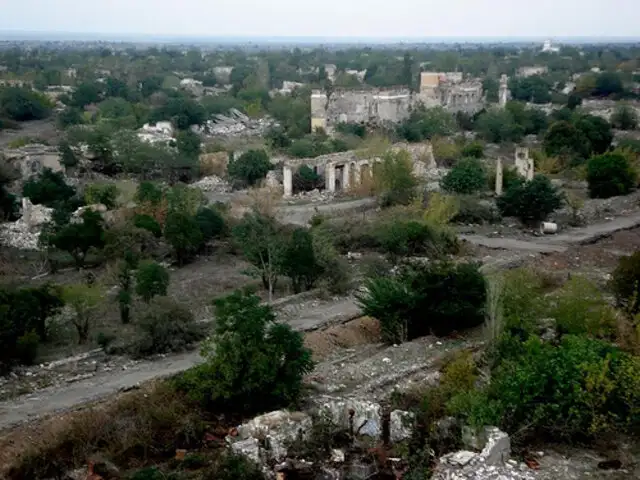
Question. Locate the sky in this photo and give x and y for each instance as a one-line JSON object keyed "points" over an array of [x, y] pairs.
{"points": [[328, 18]]}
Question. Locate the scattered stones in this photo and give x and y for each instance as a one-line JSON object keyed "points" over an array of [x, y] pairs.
{"points": [[212, 183], [401, 425]]}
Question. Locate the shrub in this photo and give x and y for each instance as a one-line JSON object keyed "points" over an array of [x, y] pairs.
{"points": [[299, 261], [394, 179], [151, 279], [84, 300], [624, 117], [531, 201], [235, 467], [149, 192], [412, 238], [251, 167], [473, 210], [610, 175], [210, 222], [421, 299], [105, 194], [467, 176], [27, 348], [625, 283], [183, 234], [575, 390], [167, 326], [253, 363], [48, 188], [306, 179], [473, 150], [147, 222]]}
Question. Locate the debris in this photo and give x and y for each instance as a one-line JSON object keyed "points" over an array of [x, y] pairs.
{"points": [[180, 454]]}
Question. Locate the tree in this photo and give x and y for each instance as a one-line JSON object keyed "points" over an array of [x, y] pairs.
{"points": [[251, 167], [425, 123], [84, 300], [299, 261], [608, 83], [624, 117], [261, 241], [610, 175], [530, 201], [597, 131], [210, 222], [533, 89], [78, 237], [102, 193], [70, 116], [86, 94], [183, 234], [48, 188], [498, 126], [188, 144], [394, 179], [21, 104], [467, 176], [151, 279], [625, 283], [564, 140], [422, 299], [67, 156], [306, 179], [252, 362], [125, 297]]}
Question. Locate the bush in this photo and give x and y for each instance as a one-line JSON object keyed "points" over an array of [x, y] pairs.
{"points": [[210, 222], [436, 298], [610, 175], [147, 222], [23, 104], [306, 179], [78, 238], [625, 118], [235, 467], [394, 179], [184, 235], [27, 348], [299, 261], [151, 279], [251, 167], [531, 201], [473, 210], [105, 194], [413, 238], [167, 326], [473, 150], [576, 390], [48, 188], [625, 283], [253, 363], [467, 176]]}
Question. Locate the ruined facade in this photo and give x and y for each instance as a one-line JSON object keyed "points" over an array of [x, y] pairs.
{"points": [[380, 106], [32, 159]]}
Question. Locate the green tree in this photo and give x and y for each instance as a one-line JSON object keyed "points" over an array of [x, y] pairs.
{"points": [[394, 178], [48, 188], [530, 201], [299, 261], [210, 222], [625, 283], [261, 241], [147, 222], [425, 123], [104, 193], [188, 144], [77, 238], [86, 94], [70, 116], [467, 176], [250, 167], [498, 126], [183, 234], [306, 179], [84, 300], [624, 117], [151, 279], [253, 363], [422, 299], [125, 287], [21, 104], [597, 131], [564, 140], [610, 175]]}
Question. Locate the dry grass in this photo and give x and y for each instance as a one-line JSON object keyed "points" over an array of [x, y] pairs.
{"points": [[357, 332], [214, 164], [136, 428]]}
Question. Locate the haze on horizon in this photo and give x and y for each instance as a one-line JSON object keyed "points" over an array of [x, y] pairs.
{"points": [[328, 18]]}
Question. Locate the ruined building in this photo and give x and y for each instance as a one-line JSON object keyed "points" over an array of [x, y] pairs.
{"points": [[379, 106]]}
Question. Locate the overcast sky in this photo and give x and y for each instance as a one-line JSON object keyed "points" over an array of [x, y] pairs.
{"points": [[328, 18]]}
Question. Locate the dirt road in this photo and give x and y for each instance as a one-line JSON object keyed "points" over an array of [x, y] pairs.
{"points": [[55, 399]]}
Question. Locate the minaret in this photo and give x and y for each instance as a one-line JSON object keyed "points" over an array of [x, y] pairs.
{"points": [[503, 92]]}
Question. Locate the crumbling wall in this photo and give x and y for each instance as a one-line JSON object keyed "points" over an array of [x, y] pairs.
{"points": [[32, 159]]}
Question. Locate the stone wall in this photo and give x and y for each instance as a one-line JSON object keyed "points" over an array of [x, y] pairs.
{"points": [[32, 159]]}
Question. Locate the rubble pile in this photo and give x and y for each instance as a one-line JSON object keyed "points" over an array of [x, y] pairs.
{"points": [[315, 195], [236, 123], [212, 183], [491, 463], [24, 233]]}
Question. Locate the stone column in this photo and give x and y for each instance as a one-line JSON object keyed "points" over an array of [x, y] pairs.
{"points": [[431, 159], [331, 177], [499, 176], [287, 180], [357, 174], [345, 177]]}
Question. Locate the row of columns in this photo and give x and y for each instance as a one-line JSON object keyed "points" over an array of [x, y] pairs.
{"points": [[330, 177]]}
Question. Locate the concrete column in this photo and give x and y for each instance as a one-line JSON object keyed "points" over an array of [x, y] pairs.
{"points": [[287, 181], [345, 177], [331, 177], [357, 174], [499, 176]]}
